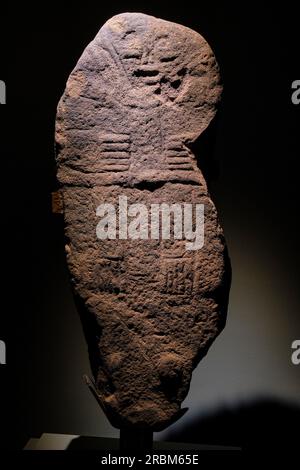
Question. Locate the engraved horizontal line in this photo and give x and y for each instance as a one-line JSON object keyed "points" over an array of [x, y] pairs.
{"points": [[176, 149], [112, 169], [177, 163], [172, 168], [116, 155], [114, 146], [114, 138], [177, 159], [99, 169], [113, 163], [70, 183], [176, 154], [180, 168]]}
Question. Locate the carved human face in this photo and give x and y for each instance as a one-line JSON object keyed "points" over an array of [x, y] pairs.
{"points": [[149, 59]]}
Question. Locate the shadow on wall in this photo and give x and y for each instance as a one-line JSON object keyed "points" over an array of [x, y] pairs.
{"points": [[263, 423]]}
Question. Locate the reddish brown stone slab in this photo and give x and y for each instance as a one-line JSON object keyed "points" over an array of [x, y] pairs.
{"points": [[142, 92]]}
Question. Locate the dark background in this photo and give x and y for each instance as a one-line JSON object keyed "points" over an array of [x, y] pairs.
{"points": [[246, 392]]}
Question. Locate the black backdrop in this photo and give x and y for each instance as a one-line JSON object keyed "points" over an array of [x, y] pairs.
{"points": [[252, 171]]}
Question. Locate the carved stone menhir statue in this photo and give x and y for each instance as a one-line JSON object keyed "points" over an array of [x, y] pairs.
{"points": [[143, 90]]}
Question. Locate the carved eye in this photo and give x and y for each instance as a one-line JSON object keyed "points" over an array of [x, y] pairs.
{"points": [[145, 72], [132, 55], [170, 58]]}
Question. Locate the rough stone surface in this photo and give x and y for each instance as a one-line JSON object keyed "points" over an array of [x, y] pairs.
{"points": [[142, 92]]}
